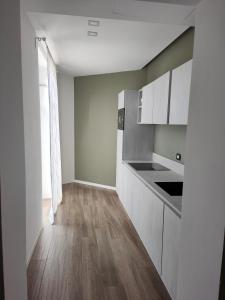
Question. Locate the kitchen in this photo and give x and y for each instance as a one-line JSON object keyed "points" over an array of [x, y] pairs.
{"points": [[139, 95], [150, 146], [150, 185], [151, 107]]}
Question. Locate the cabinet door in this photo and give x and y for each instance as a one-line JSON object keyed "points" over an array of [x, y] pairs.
{"points": [[119, 176], [147, 104], [129, 192], [137, 199], [125, 187], [161, 99], [121, 103], [180, 94], [171, 238], [131, 196], [151, 227]]}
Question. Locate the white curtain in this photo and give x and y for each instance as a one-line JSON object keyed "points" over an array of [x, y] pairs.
{"points": [[55, 155]]}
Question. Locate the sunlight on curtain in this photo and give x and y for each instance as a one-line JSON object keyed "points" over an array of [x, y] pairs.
{"points": [[56, 176]]}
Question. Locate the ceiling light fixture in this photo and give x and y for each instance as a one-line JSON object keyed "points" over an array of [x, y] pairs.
{"points": [[92, 33], [93, 23]]}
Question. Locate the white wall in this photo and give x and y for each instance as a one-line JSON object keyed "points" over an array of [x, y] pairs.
{"points": [[203, 217], [12, 159], [66, 122], [32, 133]]}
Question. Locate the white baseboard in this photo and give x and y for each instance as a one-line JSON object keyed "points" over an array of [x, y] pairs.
{"points": [[170, 164], [35, 244], [108, 187]]}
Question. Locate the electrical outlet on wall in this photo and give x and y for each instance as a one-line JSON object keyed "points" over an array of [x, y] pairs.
{"points": [[178, 156]]}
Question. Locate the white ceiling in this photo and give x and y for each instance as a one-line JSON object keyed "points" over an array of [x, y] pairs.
{"points": [[119, 46], [131, 10]]}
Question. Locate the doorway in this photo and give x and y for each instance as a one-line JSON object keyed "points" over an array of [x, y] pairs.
{"points": [[45, 134], [1, 255], [222, 278]]}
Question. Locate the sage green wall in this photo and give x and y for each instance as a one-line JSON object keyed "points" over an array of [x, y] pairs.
{"points": [[96, 115], [96, 100], [170, 139]]}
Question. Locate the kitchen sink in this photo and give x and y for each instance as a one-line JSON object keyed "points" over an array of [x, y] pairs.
{"points": [[139, 166], [172, 188]]}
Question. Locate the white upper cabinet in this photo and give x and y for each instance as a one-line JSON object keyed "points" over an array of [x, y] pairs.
{"points": [[180, 94], [153, 105], [147, 101], [161, 99]]}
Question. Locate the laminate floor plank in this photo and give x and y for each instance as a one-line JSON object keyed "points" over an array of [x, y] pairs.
{"points": [[93, 252], [35, 275]]}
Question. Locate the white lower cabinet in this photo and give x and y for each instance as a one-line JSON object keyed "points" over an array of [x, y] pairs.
{"points": [[156, 224], [137, 200], [151, 225], [124, 186], [129, 192], [146, 213], [171, 241]]}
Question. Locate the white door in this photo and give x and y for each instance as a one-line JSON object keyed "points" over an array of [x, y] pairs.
{"points": [[180, 94], [161, 99]]}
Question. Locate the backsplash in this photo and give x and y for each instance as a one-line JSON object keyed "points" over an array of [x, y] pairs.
{"points": [[169, 140]]}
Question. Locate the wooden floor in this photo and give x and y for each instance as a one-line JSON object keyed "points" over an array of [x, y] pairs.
{"points": [[92, 253]]}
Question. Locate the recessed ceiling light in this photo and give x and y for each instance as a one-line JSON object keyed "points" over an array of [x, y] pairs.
{"points": [[93, 23], [92, 33]]}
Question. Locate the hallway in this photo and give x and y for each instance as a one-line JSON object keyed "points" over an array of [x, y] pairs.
{"points": [[92, 253]]}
